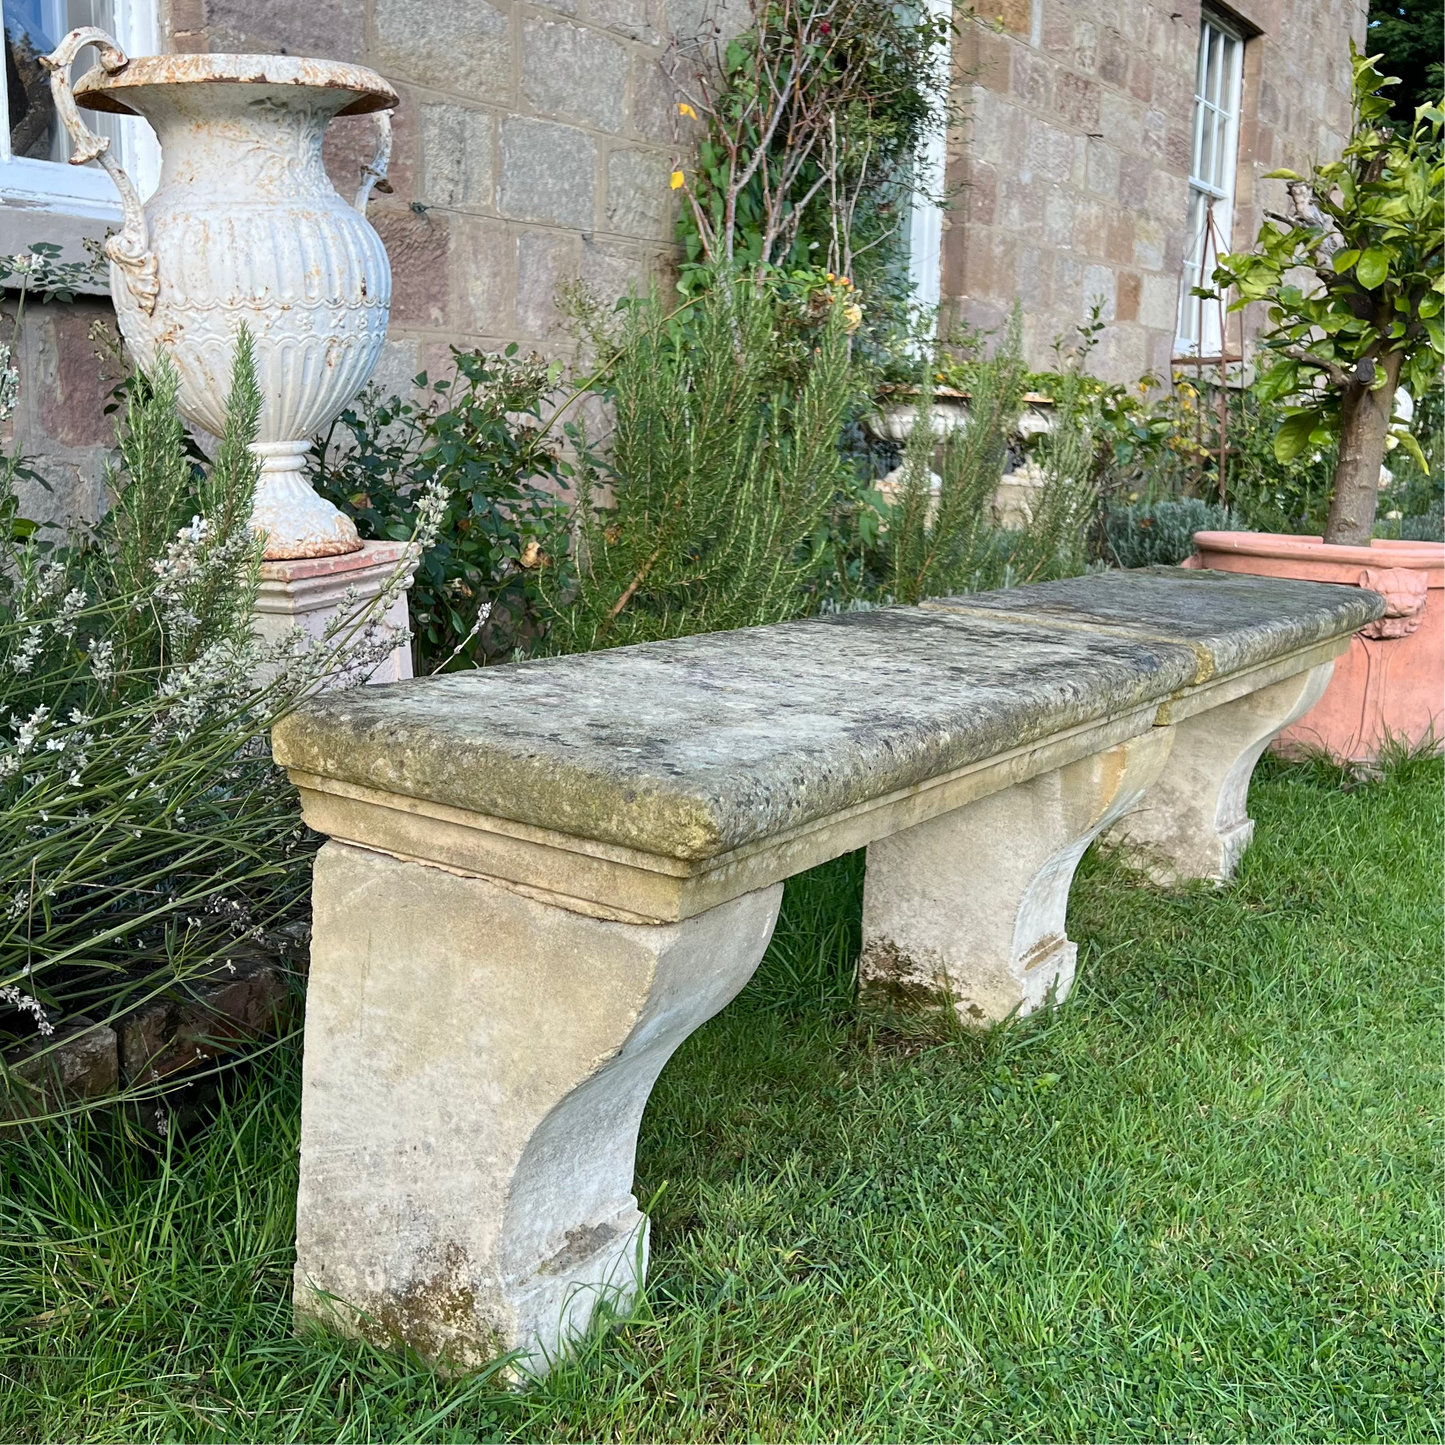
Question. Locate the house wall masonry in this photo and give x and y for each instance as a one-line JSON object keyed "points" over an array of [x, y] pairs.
{"points": [[533, 145], [1070, 168]]}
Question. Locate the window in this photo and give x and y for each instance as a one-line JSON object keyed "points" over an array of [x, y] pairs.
{"points": [[925, 217], [1211, 180], [34, 147]]}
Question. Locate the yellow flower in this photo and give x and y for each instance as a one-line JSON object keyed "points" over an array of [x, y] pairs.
{"points": [[677, 179], [683, 108], [852, 316]]}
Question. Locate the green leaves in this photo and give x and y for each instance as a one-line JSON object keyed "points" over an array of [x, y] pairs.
{"points": [[1295, 433], [1372, 268], [1413, 447], [1369, 234]]}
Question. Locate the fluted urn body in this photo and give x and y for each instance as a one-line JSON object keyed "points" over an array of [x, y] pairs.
{"points": [[247, 229]]}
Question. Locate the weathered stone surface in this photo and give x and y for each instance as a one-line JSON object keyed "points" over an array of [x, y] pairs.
{"points": [[457, 155], [637, 192], [1193, 822], [78, 1063], [629, 17], [690, 748], [545, 260], [483, 266], [1089, 99], [968, 908], [417, 247], [246, 1000], [333, 28], [570, 864], [476, 1068], [1231, 620], [467, 41], [574, 73], [549, 173]]}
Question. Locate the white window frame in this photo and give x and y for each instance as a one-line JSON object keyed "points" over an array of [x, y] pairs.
{"points": [[86, 192], [925, 212], [1221, 57]]}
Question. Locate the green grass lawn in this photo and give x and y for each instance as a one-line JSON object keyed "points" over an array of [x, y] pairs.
{"points": [[1200, 1202]]}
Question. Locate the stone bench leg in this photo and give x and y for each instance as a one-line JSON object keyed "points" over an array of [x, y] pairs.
{"points": [[969, 907], [1193, 823], [477, 1063]]}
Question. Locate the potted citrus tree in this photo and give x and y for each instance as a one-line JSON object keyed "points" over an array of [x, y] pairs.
{"points": [[1353, 284]]}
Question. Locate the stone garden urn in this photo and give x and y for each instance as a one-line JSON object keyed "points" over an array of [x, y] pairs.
{"points": [[245, 228]]}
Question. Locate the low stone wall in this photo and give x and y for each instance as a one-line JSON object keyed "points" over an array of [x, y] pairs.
{"points": [[152, 1052], [543, 877]]}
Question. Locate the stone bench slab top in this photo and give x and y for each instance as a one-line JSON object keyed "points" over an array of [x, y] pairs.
{"points": [[692, 748], [1232, 620]]}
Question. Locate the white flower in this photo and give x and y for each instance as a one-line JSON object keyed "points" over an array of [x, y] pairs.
{"points": [[26, 733], [27, 1004]]}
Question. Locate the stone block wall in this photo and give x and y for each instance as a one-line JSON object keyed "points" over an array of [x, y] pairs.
{"points": [[532, 147], [1070, 166]]}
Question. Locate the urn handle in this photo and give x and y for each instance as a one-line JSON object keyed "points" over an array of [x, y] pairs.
{"points": [[129, 248], [375, 173]]}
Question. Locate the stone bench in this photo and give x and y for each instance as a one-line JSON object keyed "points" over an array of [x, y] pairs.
{"points": [[541, 878]]}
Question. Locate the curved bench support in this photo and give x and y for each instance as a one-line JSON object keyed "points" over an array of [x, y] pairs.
{"points": [[1193, 823], [477, 1063], [969, 907]]}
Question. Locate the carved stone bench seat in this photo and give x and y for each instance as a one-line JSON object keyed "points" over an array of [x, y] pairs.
{"points": [[542, 877]]}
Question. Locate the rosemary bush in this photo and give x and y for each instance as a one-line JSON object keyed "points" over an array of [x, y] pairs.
{"points": [[945, 542], [724, 461], [149, 835]]}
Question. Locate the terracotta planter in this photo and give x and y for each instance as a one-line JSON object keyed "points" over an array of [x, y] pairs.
{"points": [[1391, 683]]}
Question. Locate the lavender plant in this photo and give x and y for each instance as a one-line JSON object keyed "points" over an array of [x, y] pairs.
{"points": [[150, 837]]}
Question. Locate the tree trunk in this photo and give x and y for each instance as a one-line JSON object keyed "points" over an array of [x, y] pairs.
{"points": [[1364, 425]]}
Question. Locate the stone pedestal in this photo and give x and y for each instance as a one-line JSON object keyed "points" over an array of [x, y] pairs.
{"points": [[968, 908], [477, 1064], [308, 592], [1193, 822]]}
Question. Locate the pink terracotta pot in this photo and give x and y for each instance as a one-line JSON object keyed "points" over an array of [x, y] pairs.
{"points": [[1391, 682]]}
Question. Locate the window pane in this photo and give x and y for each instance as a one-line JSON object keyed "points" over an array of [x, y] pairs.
{"points": [[1207, 153], [1221, 147], [34, 28], [31, 30], [1216, 106], [1194, 245], [1216, 66]]}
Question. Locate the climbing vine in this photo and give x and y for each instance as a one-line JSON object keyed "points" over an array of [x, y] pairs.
{"points": [[806, 127]]}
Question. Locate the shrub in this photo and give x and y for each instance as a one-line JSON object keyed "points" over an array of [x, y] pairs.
{"points": [[1151, 534], [1367, 229], [951, 543], [148, 833], [480, 439], [944, 542], [724, 462]]}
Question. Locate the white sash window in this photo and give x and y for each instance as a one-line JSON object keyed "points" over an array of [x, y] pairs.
{"points": [[34, 149], [1211, 180]]}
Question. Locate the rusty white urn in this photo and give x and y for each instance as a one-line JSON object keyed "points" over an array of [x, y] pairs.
{"points": [[245, 228]]}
